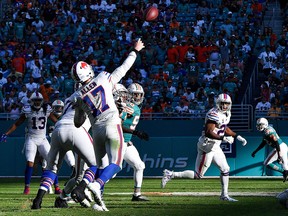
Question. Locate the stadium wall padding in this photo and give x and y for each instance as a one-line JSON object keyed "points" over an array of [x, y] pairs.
{"points": [[172, 145]]}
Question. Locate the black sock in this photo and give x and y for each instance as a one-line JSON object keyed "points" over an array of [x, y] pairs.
{"points": [[40, 194]]}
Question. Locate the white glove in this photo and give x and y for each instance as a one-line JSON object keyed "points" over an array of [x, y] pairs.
{"points": [[241, 139], [228, 139]]}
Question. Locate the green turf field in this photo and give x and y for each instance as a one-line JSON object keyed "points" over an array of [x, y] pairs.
{"points": [[180, 197]]}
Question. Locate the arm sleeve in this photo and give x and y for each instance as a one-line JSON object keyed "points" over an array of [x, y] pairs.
{"points": [[121, 71]]}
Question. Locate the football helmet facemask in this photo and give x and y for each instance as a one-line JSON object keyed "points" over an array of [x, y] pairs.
{"points": [[136, 92], [81, 72], [36, 100], [262, 124], [120, 92], [224, 103], [57, 107]]}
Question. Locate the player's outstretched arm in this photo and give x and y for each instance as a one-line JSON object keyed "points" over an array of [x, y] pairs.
{"points": [[18, 122], [121, 71]]}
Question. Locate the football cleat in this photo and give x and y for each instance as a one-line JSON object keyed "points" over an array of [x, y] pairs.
{"points": [[96, 207], [36, 204], [285, 175], [26, 190], [79, 197], [227, 198], [139, 198], [98, 197], [167, 175], [60, 203], [88, 195]]}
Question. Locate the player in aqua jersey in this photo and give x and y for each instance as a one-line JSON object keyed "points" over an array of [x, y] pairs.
{"points": [[278, 154], [130, 117]]}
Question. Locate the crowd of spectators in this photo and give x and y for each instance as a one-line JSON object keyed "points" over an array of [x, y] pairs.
{"points": [[195, 49]]}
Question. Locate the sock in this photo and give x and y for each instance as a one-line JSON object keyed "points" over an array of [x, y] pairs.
{"points": [[90, 174], [108, 173], [28, 174], [224, 182], [185, 174], [99, 173], [47, 180], [40, 194], [275, 167]]}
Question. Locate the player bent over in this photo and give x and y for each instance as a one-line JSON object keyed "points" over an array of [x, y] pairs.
{"points": [[209, 150], [278, 154]]}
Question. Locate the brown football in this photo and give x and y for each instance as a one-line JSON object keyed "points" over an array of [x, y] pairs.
{"points": [[151, 13]]}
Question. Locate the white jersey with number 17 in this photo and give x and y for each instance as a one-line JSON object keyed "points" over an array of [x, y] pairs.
{"points": [[97, 98]]}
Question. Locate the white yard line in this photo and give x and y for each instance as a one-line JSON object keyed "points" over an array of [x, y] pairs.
{"points": [[253, 194]]}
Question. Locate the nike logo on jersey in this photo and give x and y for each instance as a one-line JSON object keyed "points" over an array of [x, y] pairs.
{"points": [[88, 87]]}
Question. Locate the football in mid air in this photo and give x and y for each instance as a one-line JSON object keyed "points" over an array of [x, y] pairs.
{"points": [[151, 13]]}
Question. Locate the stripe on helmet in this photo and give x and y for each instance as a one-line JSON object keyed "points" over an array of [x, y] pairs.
{"points": [[75, 75]]}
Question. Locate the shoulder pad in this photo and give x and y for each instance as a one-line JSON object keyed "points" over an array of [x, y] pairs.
{"points": [[26, 109]]}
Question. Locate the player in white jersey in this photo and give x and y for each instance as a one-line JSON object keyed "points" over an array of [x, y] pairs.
{"points": [[65, 137], [95, 99], [215, 132], [35, 138]]}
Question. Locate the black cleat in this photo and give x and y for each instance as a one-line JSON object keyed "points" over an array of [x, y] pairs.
{"points": [[36, 204], [139, 198], [79, 196], [60, 203]]}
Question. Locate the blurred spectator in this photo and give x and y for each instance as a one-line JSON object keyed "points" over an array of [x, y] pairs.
{"points": [[207, 77], [275, 109], [7, 102], [169, 110], [56, 63], [181, 108], [147, 111], [190, 96], [36, 69], [19, 64], [14, 111], [7, 87], [193, 84], [267, 60], [3, 80], [23, 92], [202, 54], [46, 90], [172, 53], [31, 85], [25, 101], [210, 103], [263, 106]]}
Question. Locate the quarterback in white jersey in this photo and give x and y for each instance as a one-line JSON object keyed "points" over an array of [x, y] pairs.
{"points": [[35, 138], [95, 99], [209, 150]]}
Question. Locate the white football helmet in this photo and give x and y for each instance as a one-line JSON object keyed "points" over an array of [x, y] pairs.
{"points": [[81, 72], [137, 93], [262, 124], [58, 107], [119, 91], [224, 103], [36, 100]]}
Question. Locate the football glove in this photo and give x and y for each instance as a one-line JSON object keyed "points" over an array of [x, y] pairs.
{"points": [[228, 139], [241, 139], [141, 135], [3, 138]]}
